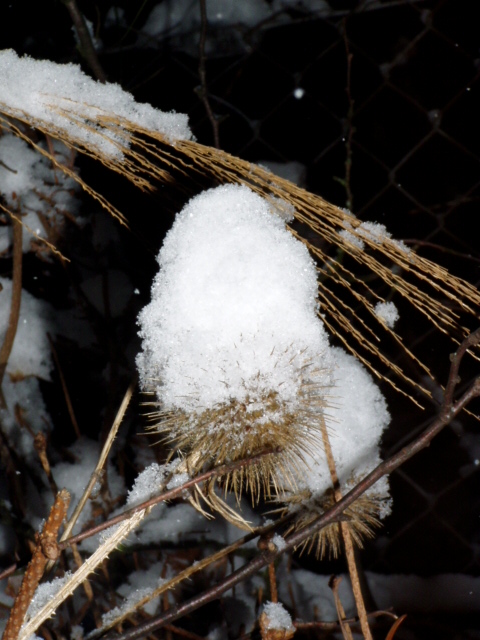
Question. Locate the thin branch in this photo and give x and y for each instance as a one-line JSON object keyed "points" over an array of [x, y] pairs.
{"points": [[86, 47], [119, 534], [448, 412], [167, 495], [203, 91], [66, 393], [348, 544], [98, 469], [15, 304], [349, 129], [333, 625], [189, 571], [46, 549], [334, 583], [8, 571]]}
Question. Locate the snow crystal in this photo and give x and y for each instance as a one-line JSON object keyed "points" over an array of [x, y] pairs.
{"points": [[234, 301], [387, 312], [150, 482], [278, 617], [279, 542], [352, 239], [140, 584], [43, 91], [377, 233], [44, 593], [356, 416]]}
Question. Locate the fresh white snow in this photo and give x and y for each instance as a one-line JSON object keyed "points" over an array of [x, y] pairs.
{"points": [[64, 99]]}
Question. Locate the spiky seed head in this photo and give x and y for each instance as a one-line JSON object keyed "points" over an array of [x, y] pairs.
{"points": [[362, 518], [262, 420]]}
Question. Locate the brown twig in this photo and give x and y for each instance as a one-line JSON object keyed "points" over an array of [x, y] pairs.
{"points": [[334, 624], [202, 91], [334, 583], [8, 571], [349, 129], [394, 627], [63, 382], [273, 582], [15, 304], [348, 544], [46, 549], [167, 495], [86, 48], [448, 412], [40, 444]]}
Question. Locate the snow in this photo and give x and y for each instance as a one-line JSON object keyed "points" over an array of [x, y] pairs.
{"points": [[356, 417], [30, 355], [310, 594], [42, 91], [278, 617], [387, 312], [140, 583], [44, 593], [294, 171], [377, 233], [180, 22], [233, 318], [234, 300], [279, 542], [350, 237], [151, 481], [30, 185], [75, 477]]}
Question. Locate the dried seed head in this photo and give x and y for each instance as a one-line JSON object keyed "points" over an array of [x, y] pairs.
{"points": [[261, 420], [233, 348], [362, 518]]}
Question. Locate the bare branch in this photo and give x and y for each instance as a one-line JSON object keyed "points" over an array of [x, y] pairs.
{"points": [[167, 495], [11, 331]]}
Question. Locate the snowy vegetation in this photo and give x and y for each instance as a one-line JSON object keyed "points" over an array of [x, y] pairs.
{"points": [[250, 422]]}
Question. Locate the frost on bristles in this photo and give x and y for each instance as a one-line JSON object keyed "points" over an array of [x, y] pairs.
{"points": [[232, 345]]}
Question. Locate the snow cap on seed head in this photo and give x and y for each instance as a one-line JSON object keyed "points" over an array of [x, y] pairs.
{"points": [[233, 306]]}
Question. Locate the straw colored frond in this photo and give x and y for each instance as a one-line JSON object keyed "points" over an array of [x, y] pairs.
{"points": [[147, 158], [44, 241]]}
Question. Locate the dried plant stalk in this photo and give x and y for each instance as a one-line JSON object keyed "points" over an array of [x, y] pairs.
{"points": [[46, 549], [90, 564], [347, 540]]}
